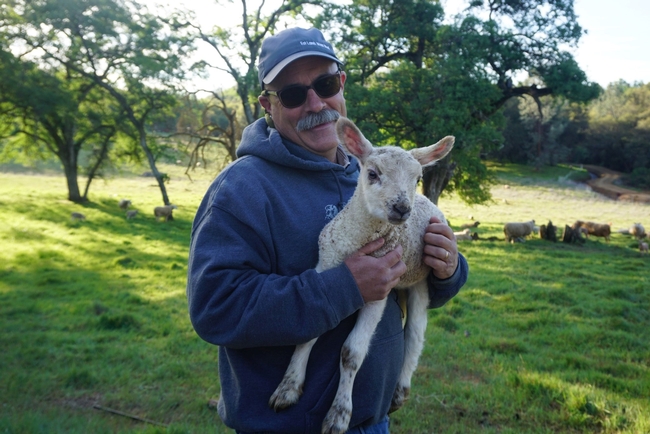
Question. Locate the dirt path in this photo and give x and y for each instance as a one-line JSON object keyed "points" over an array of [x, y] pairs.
{"points": [[604, 184]]}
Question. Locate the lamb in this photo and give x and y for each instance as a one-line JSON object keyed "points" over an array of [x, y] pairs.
{"points": [[77, 216], [463, 235], [515, 230], [643, 247], [384, 204], [638, 231], [165, 212], [124, 203], [595, 229], [131, 214]]}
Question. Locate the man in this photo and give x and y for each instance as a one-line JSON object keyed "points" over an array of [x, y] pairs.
{"points": [[252, 288]]}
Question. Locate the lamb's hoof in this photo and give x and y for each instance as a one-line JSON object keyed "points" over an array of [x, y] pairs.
{"points": [[284, 396], [400, 397], [337, 420]]}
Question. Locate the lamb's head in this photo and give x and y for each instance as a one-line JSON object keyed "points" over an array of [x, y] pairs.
{"points": [[389, 175]]}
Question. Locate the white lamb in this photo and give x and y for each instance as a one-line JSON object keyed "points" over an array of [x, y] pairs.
{"points": [[384, 204], [638, 231], [464, 235], [516, 230], [165, 212]]}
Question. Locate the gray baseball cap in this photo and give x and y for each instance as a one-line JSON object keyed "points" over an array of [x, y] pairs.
{"points": [[288, 45]]}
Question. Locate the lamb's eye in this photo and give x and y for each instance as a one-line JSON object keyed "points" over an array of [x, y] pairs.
{"points": [[372, 175]]}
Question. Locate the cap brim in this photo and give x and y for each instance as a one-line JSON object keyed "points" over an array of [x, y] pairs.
{"points": [[280, 66]]}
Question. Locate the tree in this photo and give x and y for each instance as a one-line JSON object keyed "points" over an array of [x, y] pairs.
{"points": [[51, 111], [238, 47], [114, 44], [414, 77], [619, 130]]}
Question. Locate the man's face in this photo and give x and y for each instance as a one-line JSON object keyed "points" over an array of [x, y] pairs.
{"points": [[321, 139]]}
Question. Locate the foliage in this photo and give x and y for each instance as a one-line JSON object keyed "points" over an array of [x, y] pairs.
{"points": [[113, 45], [238, 47], [48, 112], [619, 133], [545, 337], [425, 77]]}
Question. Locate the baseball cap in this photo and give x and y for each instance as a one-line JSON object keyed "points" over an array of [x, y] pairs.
{"points": [[288, 45]]}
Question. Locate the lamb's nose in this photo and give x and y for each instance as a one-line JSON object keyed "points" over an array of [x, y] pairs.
{"points": [[402, 209]]}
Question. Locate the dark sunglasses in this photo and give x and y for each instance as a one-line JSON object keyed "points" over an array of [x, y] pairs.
{"points": [[295, 95]]}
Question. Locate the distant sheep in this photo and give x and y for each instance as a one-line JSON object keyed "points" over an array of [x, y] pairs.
{"points": [[516, 231], [638, 231], [77, 216], [124, 203], [131, 214], [596, 229], [165, 212], [463, 235], [470, 225], [643, 247]]}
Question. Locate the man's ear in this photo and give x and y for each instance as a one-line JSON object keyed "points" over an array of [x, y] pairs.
{"points": [[264, 102]]}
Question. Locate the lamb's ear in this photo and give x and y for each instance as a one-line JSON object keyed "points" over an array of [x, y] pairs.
{"points": [[352, 139], [430, 154]]}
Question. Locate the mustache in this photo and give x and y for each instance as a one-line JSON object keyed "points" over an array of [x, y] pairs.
{"points": [[315, 119]]}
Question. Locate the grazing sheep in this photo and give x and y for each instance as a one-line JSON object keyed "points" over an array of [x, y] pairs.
{"points": [[131, 214], [518, 231], [638, 231], [385, 204], [165, 212], [124, 203], [643, 247], [470, 225], [463, 235], [595, 229], [77, 216]]}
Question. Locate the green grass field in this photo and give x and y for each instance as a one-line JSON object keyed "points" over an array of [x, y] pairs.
{"points": [[544, 338]]}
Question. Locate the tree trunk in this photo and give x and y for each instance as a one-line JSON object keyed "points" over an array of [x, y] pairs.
{"points": [[100, 160], [436, 179], [152, 163], [74, 194]]}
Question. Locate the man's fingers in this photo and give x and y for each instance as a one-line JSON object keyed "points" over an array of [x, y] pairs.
{"points": [[371, 246]]}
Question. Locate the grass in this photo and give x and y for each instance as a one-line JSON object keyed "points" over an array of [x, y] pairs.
{"points": [[544, 338]]}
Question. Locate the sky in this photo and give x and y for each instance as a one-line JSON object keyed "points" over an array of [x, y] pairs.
{"points": [[617, 43], [616, 46]]}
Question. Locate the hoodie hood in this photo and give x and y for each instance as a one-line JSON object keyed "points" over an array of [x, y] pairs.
{"points": [[264, 142]]}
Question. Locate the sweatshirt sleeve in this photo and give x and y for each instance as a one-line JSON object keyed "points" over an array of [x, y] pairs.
{"points": [[443, 290], [235, 299]]}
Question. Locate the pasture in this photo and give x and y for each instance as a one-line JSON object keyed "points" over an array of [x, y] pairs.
{"points": [[544, 338]]}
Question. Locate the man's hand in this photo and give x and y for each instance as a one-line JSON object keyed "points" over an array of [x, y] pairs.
{"points": [[440, 249], [376, 277]]}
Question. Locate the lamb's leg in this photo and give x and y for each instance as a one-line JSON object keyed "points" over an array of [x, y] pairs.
{"points": [[290, 388], [416, 326], [353, 353]]}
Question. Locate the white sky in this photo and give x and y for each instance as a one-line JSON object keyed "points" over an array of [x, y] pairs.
{"points": [[616, 46]]}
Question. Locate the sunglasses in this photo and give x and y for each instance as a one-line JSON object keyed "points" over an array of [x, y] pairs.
{"points": [[295, 95]]}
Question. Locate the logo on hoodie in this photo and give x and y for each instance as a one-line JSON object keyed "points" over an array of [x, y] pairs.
{"points": [[330, 212]]}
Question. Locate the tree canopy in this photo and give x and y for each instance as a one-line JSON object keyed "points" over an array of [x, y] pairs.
{"points": [[115, 46], [417, 75]]}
